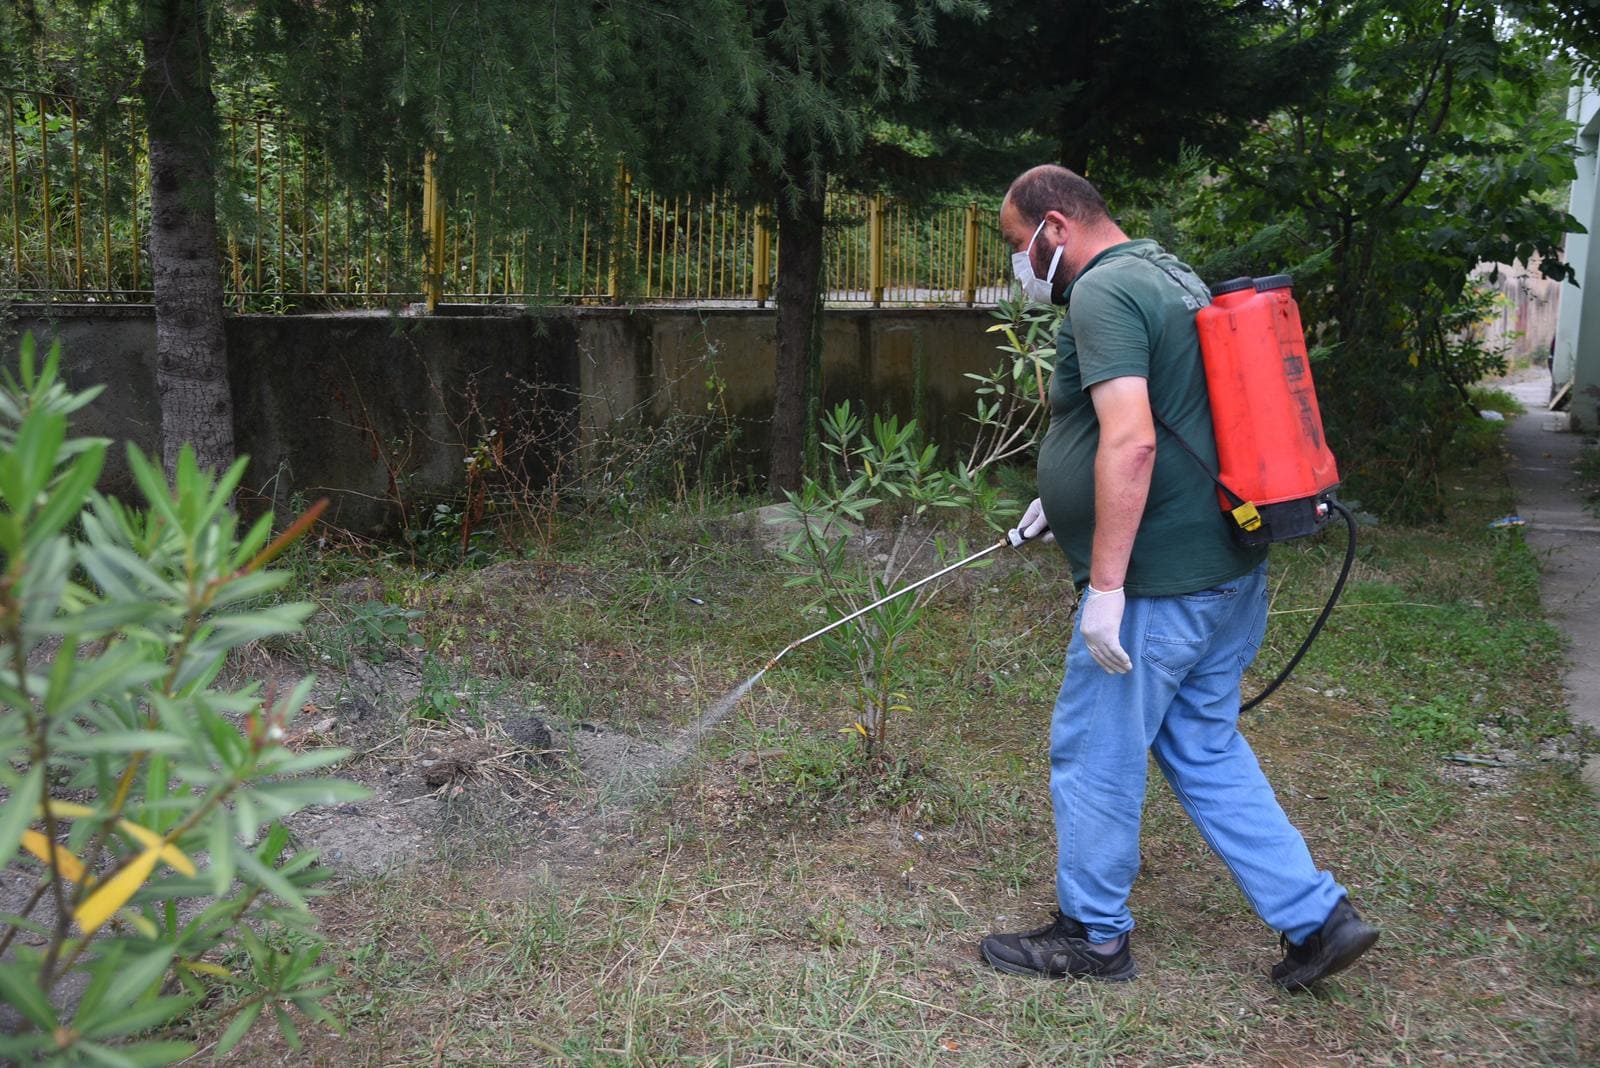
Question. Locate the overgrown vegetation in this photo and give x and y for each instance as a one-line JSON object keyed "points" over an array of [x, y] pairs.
{"points": [[122, 761], [774, 901]]}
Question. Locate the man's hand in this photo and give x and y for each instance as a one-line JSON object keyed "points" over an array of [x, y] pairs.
{"points": [[1100, 620], [1033, 524]]}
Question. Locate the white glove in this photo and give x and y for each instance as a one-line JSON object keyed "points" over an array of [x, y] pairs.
{"points": [[1100, 620], [1033, 524]]}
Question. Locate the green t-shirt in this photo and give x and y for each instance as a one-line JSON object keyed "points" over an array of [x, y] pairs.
{"points": [[1131, 312]]}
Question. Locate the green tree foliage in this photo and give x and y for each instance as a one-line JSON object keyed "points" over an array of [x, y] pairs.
{"points": [[919, 96], [122, 760], [512, 98], [1570, 26], [1109, 89], [1438, 147]]}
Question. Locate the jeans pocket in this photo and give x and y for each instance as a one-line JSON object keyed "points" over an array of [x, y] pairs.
{"points": [[1173, 657], [1215, 593], [1181, 628]]}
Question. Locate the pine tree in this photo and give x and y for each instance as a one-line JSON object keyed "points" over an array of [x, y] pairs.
{"points": [[783, 100], [163, 47], [185, 259]]}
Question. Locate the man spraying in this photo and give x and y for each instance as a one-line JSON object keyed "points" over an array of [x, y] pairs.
{"points": [[1171, 610]]}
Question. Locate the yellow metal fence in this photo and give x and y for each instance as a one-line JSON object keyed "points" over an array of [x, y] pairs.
{"points": [[74, 219]]}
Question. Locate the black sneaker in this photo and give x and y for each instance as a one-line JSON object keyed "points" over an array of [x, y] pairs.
{"points": [[1343, 937], [1057, 950]]}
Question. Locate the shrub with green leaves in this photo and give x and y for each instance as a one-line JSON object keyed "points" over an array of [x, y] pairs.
{"points": [[878, 474], [1012, 400], [141, 797]]}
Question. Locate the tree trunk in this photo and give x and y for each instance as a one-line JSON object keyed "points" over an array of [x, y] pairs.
{"points": [[191, 351], [799, 299]]}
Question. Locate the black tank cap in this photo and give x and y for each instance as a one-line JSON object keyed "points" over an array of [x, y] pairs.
{"points": [[1274, 281], [1232, 285]]}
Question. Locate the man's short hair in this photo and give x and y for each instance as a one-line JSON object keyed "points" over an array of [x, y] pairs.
{"points": [[1052, 188]]}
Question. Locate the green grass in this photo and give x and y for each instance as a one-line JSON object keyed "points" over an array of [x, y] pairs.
{"points": [[781, 901], [1488, 398]]}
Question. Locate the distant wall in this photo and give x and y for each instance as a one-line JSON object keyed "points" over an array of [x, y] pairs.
{"points": [[647, 362], [1524, 325], [373, 409]]}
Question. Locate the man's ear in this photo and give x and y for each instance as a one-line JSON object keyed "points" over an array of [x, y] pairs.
{"points": [[1057, 225]]}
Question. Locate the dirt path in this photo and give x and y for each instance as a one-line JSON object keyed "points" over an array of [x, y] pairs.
{"points": [[1566, 535]]}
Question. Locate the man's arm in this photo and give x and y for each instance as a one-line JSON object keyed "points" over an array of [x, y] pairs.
{"points": [[1122, 468]]}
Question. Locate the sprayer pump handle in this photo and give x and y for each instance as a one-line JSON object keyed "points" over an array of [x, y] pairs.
{"points": [[1016, 537]]}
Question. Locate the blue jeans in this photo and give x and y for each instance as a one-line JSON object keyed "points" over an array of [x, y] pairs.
{"points": [[1181, 704]]}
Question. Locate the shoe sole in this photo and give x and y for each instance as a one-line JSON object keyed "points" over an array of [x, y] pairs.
{"points": [[1346, 957], [1127, 974]]}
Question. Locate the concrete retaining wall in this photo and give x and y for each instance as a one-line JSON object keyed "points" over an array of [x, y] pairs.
{"points": [[379, 411]]}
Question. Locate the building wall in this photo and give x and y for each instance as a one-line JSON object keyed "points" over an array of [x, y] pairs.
{"points": [[1577, 352], [378, 412]]}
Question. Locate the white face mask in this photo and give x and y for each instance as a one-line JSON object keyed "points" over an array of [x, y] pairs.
{"points": [[1034, 288]]}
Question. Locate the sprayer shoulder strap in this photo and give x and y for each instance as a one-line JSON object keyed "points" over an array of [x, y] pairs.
{"points": [[1241, 511], [1233, 498]]}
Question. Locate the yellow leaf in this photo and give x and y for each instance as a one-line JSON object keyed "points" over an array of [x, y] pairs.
{"points": [[143, 835], [151, 840], [67, 810], [142, 924], [860, 728], [206, 966], [115, 892], [68, 865]]}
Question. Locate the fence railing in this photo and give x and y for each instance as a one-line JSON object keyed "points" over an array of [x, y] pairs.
{"points": [[74, 214]]}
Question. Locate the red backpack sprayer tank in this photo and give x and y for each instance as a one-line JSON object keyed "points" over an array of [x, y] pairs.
{"points": [[1274, 461], [1276, 476]]}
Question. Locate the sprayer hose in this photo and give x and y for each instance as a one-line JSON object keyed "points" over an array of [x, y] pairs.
{"points": [[1327, 609]]}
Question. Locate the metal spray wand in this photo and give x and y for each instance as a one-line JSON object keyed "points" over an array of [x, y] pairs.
{"points": [[713, 715]]}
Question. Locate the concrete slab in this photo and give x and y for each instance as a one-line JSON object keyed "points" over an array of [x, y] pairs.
{"points": [[1566, 537]]}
